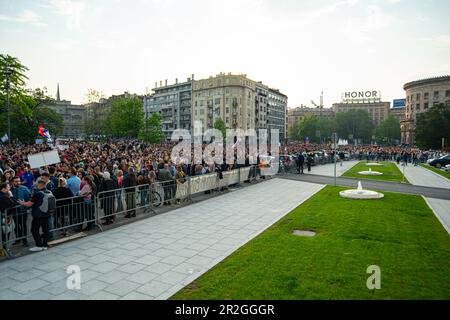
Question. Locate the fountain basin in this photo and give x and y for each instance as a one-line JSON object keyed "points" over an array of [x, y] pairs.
{"points": [[361, 194], [370, 173]]}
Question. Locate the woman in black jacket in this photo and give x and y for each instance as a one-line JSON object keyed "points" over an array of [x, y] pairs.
{"points": [[6, 202], [64, 204]]}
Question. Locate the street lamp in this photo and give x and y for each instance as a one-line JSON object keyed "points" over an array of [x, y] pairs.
{"points": [[8, 74]]}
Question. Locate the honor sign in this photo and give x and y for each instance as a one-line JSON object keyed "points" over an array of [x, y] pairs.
{"points": [[361, 96]]}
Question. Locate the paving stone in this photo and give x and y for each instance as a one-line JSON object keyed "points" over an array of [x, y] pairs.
{"points": [[172, 277], [30, 285], [122, 287], [91, 287], [103, 295], [104, 267], [142, 276], [159, 267], [137, 296], [153, 288], [132, 267], [113, 276]]}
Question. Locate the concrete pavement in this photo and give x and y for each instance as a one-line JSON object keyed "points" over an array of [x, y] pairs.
{"points": [[420, 176], [155, 257]]}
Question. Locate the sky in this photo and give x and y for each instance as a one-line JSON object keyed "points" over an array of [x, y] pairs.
{"points": [[300, 47]]}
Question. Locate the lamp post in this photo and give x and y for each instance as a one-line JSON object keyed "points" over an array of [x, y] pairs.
{"points": [[334, 155], [8, 73]]}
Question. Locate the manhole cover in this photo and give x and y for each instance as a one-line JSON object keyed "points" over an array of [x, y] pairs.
{"points": [[304, 233]]}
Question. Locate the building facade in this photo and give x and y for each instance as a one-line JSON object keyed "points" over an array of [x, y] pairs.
{"points": [[261, 105], [73, 116], [174, 103], [421, 95], [230, 97], [296, 114], [277, 113], [378, 110], [399, 113]]}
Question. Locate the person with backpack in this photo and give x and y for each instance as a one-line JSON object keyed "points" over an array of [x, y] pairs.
{"points": [[43, 205]]}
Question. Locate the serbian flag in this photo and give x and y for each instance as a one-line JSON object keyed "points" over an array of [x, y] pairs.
{"points": [[44, 133]]}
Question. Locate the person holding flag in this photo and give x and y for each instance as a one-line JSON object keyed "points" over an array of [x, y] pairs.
{"points": [[45, 133]]}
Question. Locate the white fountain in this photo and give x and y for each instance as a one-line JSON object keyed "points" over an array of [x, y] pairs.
{"points": [[360, 193], [370, 173], [374, 164]]}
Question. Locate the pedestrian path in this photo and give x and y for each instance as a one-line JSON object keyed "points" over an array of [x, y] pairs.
{"points": [[155, 257], [423, 177], [420, 176], [328, 169]]}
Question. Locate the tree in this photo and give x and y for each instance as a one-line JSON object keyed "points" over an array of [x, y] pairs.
{"points": [[355, 123], [17, 75], [27, 107], [127, 117], [152, 130], [219, 124], [315, 128], [388, 130], [432, 126]]}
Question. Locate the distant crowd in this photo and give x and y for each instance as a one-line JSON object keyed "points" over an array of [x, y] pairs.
{"points": [[87, 169]]}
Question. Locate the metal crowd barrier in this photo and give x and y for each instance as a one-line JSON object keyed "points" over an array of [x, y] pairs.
{"points": [[73, 213]]}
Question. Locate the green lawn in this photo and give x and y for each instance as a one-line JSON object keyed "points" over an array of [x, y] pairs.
{"points": [[390, 172], [399, 233], [438, 171]]}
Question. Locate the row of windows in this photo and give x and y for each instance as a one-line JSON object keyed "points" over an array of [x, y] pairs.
{"points": [[210, 83], [426, 96]]}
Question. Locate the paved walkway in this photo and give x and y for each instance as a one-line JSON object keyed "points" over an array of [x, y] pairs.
{"points": [[328, 169], [155, 257], [420, 176]]}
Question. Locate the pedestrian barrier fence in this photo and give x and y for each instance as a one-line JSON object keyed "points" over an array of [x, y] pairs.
{"points": [[72, 214]]}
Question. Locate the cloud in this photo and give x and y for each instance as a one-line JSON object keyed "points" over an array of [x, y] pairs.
{"points": [[362, 29], [27, 16], [441, 40], [72, 9]]}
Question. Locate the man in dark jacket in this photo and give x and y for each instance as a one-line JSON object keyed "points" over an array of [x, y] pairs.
{"points": [[300, 162], [20, 192], [309, 161], [166, 179], [40, 219], [129, 184], [107, 196]]}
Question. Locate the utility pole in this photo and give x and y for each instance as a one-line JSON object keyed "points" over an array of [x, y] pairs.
{"points": [[334, 155]]}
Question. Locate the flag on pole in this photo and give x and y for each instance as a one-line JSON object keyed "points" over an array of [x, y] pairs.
{"points": [[44, 133], [5, 138]]}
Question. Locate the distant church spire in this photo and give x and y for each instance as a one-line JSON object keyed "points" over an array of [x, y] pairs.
{"points": [[57, 94]]}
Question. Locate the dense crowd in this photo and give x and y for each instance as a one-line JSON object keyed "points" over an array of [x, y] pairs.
{"points": [[114, 168]]}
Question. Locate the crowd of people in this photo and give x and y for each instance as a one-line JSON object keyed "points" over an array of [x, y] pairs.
{"points": [[112, 169]]}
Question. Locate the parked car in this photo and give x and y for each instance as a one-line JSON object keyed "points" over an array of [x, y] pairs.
{"points": [[440, 162]]}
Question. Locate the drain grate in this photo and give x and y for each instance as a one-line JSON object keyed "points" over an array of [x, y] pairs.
{"points": [[304, 233]]}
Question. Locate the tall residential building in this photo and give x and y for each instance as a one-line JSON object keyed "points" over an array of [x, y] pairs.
{"points": [[73, 116], [277, 113], [230, 97], [261, 105], [173, 102], [421, 95]]}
